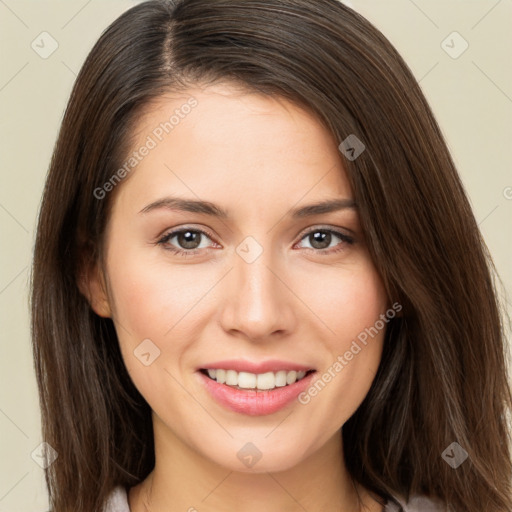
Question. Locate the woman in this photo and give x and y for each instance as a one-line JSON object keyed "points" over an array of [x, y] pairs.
{"points": [[217, 160]]}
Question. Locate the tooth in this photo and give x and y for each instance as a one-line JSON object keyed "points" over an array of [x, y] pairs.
{"points": [[281, 378], [262, 381], [246, 380], [266, 381], [220, 376], [291, 377], [231, 378]]}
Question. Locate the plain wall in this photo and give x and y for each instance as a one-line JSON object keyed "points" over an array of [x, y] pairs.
{"points": [[471, 96]]}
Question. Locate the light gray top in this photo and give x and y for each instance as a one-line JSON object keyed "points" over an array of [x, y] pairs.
{"points": [[118, 502]]}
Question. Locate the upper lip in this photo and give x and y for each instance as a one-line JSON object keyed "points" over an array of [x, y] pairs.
{"points": [[242, 365]]}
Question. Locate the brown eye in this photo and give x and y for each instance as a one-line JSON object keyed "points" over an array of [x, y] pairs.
{"points": [[184, 241], [321, 240], [188, 239]]}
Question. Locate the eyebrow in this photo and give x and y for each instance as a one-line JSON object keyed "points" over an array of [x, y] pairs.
{"points": [[208, 208]]}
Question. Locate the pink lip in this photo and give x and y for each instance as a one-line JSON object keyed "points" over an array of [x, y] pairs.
{"points": [[252, 402], [271, 365]]}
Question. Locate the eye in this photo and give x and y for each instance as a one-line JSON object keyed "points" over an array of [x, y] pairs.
{"points": [[320, 240], [188, 241]]}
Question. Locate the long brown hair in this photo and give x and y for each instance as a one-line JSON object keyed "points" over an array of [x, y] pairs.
{"points": [[443, 376]]}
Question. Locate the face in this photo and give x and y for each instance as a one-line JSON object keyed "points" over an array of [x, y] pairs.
{"points": [[253, 285]]}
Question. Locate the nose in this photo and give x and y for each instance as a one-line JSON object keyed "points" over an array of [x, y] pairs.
{"points": [[258, 300]]}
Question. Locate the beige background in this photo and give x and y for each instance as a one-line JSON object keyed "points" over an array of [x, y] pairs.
{"points": [[471, 96]]}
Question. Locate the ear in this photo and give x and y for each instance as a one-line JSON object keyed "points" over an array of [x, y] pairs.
{"points": [[92, 284]]}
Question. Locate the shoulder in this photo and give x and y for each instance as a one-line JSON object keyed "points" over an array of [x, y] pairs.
{"points": [[416, 504], [117, 501]]}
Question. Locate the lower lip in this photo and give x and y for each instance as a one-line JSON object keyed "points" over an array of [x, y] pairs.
{"points": [[252, 402]]}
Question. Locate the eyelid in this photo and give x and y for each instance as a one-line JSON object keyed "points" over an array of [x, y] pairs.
{"points": [[334, 229]]}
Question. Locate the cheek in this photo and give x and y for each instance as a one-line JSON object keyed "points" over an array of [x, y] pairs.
{"points": [[346, 300], [148, 295], [351, 306], [150, 301], [150, 306], [360, 330]]}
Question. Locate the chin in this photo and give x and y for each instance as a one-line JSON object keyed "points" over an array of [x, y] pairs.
{"points": [[259, 457]]}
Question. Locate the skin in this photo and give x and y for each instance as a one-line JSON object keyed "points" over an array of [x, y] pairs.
{"points": [[256, 157]]}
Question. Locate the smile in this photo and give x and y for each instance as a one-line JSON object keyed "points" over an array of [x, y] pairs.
{"points": [[255, 394], [255, 381]]}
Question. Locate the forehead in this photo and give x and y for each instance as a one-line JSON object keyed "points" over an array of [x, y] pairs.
{"points": [[234, 146]]}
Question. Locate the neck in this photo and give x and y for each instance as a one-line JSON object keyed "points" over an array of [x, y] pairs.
{"points": [[184, 480]]}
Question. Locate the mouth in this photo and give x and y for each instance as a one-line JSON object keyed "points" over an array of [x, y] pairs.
{"points": [[255, 394], [260, 382]]}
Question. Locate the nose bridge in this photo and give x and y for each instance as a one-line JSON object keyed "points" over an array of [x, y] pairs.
{"points": [[258, 303]]}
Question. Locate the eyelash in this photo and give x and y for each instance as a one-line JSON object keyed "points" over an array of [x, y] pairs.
{"points": [[191, 252]]}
